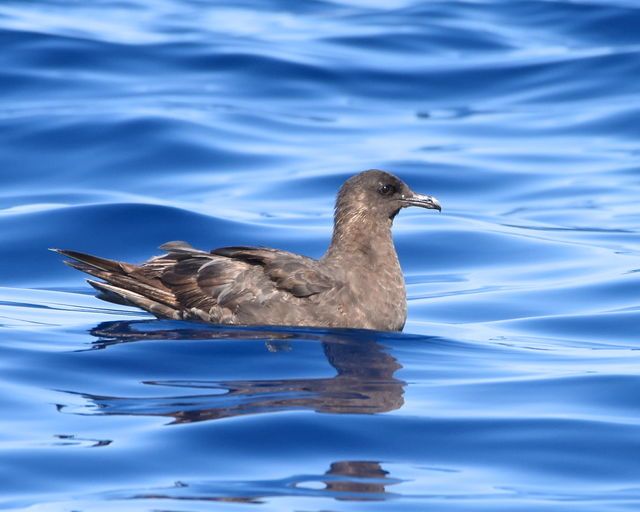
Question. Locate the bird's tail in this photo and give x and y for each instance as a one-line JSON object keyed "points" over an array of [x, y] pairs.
{"points": [[125, 284]]}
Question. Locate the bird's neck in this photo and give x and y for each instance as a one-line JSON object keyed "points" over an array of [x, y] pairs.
{"points": [[363, 239]]}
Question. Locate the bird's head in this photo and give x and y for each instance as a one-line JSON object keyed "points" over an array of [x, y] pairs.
{"points": [[378, 194]]}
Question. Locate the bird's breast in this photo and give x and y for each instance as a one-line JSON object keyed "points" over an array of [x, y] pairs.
{"points": [[375, 297]]}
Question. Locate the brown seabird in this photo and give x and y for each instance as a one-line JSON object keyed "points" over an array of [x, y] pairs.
{"points": [[358, 283]]}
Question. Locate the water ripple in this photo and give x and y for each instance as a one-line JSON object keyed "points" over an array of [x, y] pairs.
{"points": [[127, 125]]}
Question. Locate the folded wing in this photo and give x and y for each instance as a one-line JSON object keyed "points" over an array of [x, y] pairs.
{"points": [[234, 285]]}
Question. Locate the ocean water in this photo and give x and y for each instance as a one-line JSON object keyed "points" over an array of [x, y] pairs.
{"points": [[514, 386]]}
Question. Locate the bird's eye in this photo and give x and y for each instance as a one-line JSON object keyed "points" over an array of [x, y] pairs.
{"points": [[386, 190]]}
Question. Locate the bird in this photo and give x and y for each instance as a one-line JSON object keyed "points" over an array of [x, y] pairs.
{"points": [[357, 284]]}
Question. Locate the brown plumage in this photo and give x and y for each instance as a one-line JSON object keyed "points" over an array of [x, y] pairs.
{"points": [[358, 283]]}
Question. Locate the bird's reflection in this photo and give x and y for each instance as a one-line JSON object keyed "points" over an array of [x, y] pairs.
{"points": [[364, 380], [357, 479], [344, 481]]}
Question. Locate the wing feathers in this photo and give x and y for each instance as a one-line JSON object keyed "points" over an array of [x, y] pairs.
{"points": [[95, 261], [124, 276], [227, 285], [298, 275], [178, 247], [142, 301]]}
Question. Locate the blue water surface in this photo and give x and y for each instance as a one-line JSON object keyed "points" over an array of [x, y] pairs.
{"points": [[514, 386]]}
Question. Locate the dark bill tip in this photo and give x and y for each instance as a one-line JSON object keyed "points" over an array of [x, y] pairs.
{"points": [[422, 201]]}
